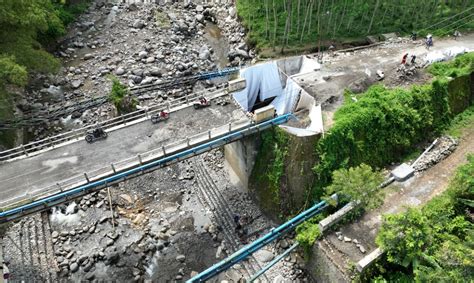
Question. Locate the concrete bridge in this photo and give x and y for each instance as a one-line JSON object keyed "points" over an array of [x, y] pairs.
{"points": [[36, 183], [62, 163]]}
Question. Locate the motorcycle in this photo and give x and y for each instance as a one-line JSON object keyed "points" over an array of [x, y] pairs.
{"points": [[95, 134], [162, 116], [202, 103]]}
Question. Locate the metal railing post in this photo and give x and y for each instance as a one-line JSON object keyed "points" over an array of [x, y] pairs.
{"points": [[59, 186], [230, 127], [140, 159], [163, 148], [187, 141], [87, 178], [24, 150], [209, 134], [113, 168]]}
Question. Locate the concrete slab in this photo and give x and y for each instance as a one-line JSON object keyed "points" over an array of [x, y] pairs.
{"points": [[403, 172], [373, 39], [369, 259], [388, 36]]}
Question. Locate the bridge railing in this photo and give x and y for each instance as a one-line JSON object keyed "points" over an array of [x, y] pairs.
{"points": [[36, 147], [113, 168]]}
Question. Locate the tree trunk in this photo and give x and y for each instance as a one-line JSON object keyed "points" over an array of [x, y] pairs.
{"points": [[373, 16]]}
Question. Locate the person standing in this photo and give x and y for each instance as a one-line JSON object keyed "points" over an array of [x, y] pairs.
{"points": [[404, 59]]}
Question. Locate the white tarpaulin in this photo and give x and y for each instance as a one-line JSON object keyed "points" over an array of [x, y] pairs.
{"points": [[262, 81], [306, 101], [455, 51], [446, 54], [285, 102]]}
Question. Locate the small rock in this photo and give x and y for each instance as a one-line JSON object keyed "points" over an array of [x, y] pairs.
{"points": [[74, 267], [109, 242], [92, 229], [362, 249], [120, 71], [284, 244], [55, 234], [181, 258], [76, 84], [347, 239], [265, 256], [88, 56], [143, 54], [150, 60], [90, 276]]}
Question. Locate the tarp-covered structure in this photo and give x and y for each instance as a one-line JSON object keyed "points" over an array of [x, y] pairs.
{"points": [[274, 81]]}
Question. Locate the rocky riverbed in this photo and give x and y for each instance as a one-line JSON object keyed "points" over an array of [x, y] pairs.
{"points": [[139, 44], [163, 226], [166, 225]]}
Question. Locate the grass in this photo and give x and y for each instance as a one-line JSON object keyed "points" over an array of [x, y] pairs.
{"points": [[461, 122], [162, 19]]}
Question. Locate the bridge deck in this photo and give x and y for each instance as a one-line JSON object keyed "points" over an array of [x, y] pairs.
{"points": [[30, 175]]}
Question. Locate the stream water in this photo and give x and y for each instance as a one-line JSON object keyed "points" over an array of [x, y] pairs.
{"points": [[218, 43]]}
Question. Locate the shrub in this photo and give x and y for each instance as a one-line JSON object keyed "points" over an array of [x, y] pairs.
{"points": [[121, 98]]}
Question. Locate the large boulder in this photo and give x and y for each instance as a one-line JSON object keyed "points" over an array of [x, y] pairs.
{"points": [[204, 53], [139, 24]]}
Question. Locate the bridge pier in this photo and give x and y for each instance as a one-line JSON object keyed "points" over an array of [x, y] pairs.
{"points": [[240, 158]]}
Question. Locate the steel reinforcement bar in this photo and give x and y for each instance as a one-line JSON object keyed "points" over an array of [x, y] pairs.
{"points": [[144, 166]]}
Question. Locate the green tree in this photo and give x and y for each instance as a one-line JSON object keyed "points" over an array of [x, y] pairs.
{"points": [[454, 263], [11, 72], [306, 234], [405, 237], [121, 98], [358, 184]]}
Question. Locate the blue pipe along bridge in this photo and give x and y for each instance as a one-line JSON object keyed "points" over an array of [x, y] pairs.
{"points": [[88, 184]]}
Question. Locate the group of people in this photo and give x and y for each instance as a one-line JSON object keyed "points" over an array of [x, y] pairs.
{"points": [[412, 60]]}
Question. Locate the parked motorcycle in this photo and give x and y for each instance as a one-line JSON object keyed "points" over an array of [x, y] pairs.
{"points": [[162, 116], [95, 134], [202, 103]]}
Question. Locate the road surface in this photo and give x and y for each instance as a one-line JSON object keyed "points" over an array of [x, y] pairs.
{"points": [[44, 170]]}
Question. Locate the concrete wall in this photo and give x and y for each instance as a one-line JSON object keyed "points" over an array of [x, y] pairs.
{"points": [[240, 157]]}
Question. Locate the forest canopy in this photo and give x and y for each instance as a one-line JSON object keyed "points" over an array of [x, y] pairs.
{"points": [[302, 22]]}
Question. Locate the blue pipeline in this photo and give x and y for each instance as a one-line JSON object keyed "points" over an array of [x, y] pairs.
{"points": [[225, 139], [259, 243], [218, 73]]}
